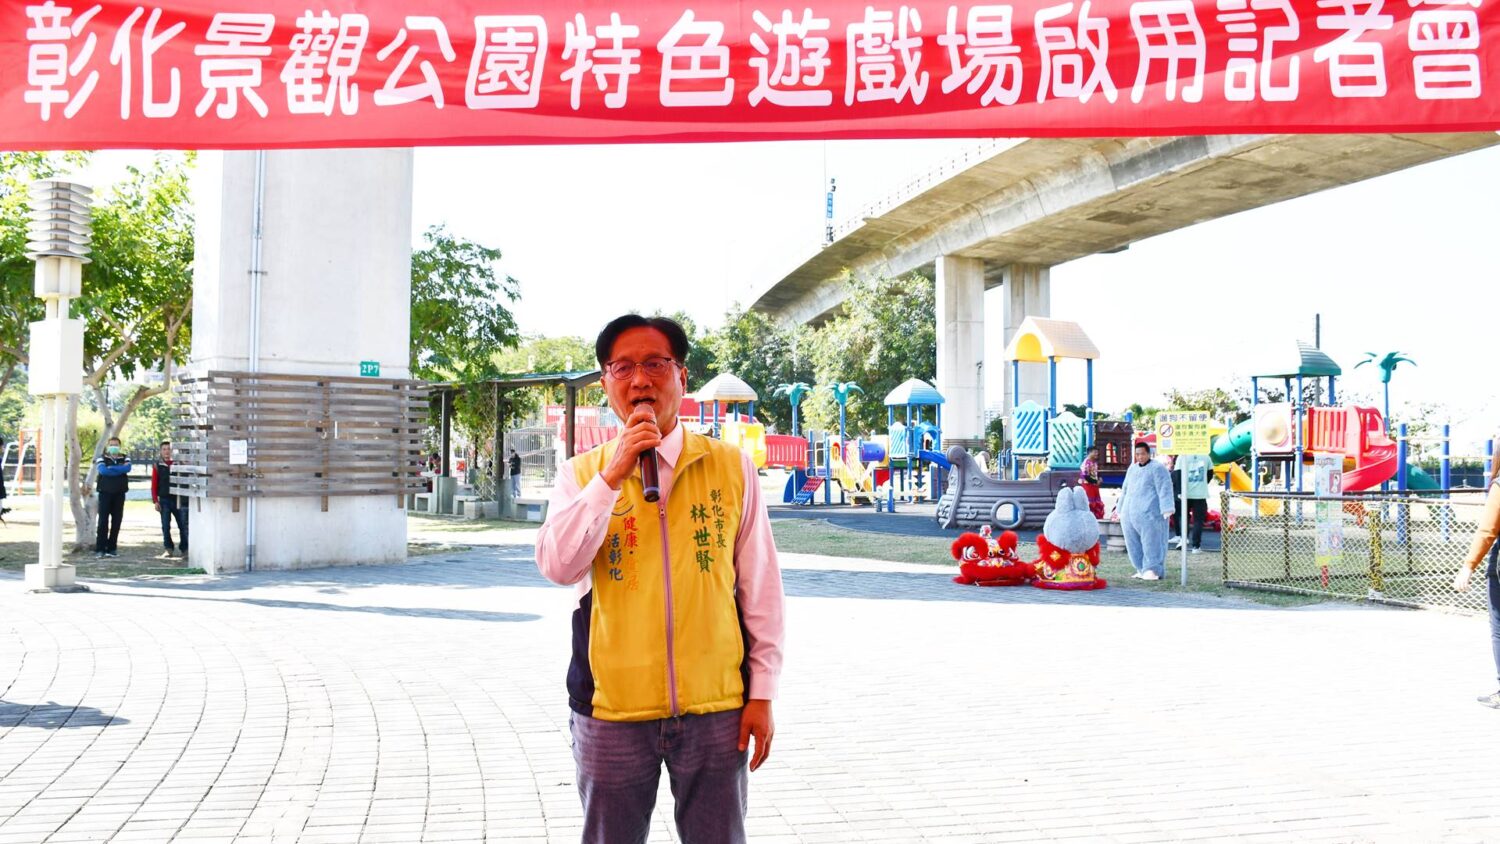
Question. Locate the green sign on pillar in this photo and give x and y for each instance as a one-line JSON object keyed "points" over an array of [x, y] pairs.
{"points": [[369, 369]]}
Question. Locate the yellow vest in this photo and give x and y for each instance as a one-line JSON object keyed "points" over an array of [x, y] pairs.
{"points": [[659, 633]]}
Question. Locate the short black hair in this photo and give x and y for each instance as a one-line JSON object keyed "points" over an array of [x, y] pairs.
{"points": [[1145, 445], [112, 440], [676, 337], [166, 442]]}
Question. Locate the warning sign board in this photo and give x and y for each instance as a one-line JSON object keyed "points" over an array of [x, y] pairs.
{"points": [[1182, 432]]}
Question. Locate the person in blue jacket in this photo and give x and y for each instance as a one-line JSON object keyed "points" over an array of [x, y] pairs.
{"points": [[114, 482], [1146, 503]]}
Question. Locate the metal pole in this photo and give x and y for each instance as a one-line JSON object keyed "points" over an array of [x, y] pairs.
{"points": [[1402, 510], [1254, 455], [57, 240], [1088, 428], [570, 425], [1447, 473], [1447, 480], [1182, 524], [257, 271], [1301, 440]]}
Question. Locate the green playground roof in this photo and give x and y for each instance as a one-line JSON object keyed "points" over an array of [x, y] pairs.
{"points": [[1309, 361], [913, 391]]}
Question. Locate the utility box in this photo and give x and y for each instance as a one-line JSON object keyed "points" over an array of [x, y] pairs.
{"points": [[56, 360]]}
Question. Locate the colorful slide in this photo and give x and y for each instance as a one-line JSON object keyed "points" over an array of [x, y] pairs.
{"points": [[857, 481], [1372, 468], [935, 458], [1419, 480], [1234, 445], [1228, 448]]}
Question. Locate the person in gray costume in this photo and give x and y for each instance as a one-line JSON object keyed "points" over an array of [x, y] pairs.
{"points": [[1146, 503]]}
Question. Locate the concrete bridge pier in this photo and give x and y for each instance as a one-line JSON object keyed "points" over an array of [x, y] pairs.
{"points": [[962, 353], [960, 345], [1027, 291], [324, 269]]}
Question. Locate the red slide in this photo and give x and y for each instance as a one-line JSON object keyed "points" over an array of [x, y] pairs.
{"points": [[1375, 457], [1372, 468]]}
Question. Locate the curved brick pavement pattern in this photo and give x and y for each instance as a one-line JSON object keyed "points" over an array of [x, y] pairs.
{"points": [[423, 703]]}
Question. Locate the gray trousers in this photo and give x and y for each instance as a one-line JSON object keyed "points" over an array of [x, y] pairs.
{"points": [[619, 765], [1146, 543]]}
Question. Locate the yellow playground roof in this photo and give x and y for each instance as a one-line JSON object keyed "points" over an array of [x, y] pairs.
{"points": [[1039, 339]]}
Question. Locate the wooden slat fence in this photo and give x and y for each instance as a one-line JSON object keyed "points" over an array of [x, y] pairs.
{"points": [[306, 436]]}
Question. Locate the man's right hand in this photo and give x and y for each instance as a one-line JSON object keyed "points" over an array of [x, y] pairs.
{"points": [[640, 434], [157, 505]]}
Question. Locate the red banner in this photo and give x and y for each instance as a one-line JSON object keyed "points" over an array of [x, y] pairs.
{"points": [[289, 73]]}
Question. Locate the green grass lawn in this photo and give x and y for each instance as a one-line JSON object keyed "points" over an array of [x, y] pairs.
{"points": [[140, 543], [1205, 571]]}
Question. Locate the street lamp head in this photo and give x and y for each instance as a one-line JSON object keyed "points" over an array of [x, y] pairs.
{"points": [[59, 237], [59, 221]]}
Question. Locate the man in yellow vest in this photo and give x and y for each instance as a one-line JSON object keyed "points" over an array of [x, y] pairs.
{"points": [[678, 630]]}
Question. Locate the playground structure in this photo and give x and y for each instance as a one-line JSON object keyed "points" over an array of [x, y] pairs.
{"points": [[1290, 433], [28, 441], [1041, 435], [904, 464], [738, 426], [1047, 447], [915, 459]]}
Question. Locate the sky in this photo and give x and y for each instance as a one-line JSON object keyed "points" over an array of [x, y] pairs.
{"points": [[1406, 262]]}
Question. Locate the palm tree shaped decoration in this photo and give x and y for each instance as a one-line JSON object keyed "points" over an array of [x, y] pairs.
{"points": [[1387, 363], [794, 393], [841, 392]]}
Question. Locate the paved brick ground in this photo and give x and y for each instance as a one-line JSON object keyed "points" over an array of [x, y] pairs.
{"points": [[424, 703]]}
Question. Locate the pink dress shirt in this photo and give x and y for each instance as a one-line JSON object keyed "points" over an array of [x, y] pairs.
{"points": [[576, 526]]}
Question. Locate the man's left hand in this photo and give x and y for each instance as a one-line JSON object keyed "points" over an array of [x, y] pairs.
{"points": [[755, 720]]}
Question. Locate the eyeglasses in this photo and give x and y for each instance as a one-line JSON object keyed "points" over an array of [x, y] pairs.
{"points": [[624, 370]]}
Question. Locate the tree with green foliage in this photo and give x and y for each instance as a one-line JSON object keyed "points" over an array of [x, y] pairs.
{"points": [[15, 406], [763, 353], [1142, 417], [885, 334], [458, 313], [136, 302], [701, 363], [1082, 411], [19, 306], [548, 354], [460, 325]]}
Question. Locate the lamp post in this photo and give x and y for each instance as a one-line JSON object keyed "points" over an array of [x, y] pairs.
{"points": [[58, 241]]}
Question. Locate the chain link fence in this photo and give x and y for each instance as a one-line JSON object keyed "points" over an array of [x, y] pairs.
{"points": [[1388, 548]]}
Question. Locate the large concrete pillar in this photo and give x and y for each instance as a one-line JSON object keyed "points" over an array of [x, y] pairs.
{"points": [[960, 345], [335, 290], [1027, 289]]}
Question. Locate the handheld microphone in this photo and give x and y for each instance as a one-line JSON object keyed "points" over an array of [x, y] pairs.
{"points": [[649, 474], [649, 477]]}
